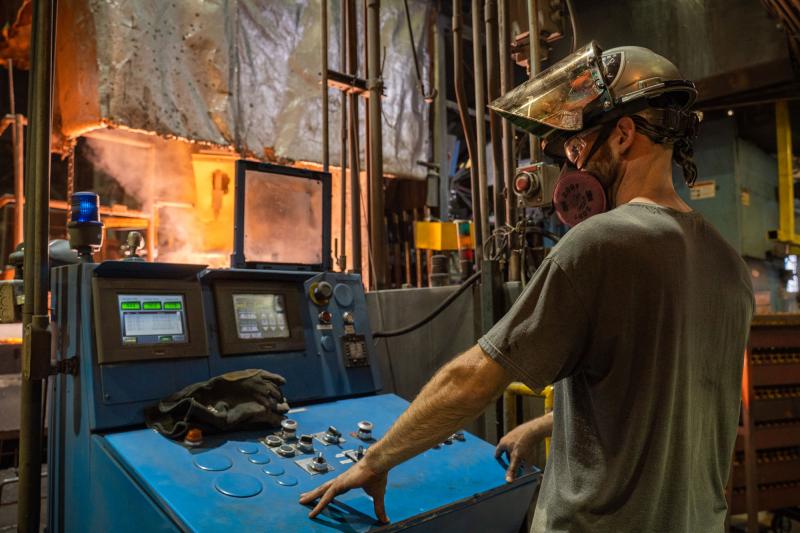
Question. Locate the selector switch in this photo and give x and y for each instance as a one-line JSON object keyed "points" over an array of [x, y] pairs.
{"points": [[319, 464], [273, 441], [364, 430], [347, 318], [306, 443], [289, 428], [332, 435]]}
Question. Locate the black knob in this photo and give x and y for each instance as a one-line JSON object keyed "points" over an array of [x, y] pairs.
{"points": [[306, 439], [323, 291]]}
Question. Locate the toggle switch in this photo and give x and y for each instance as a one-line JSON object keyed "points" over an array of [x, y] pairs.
{"points": [[306, 443], [347, 318], [319, 464], [365, 430], [459, 436], [333, 435]]}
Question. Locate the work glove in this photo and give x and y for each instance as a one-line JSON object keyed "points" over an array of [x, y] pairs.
{"points": [[245, 399]]}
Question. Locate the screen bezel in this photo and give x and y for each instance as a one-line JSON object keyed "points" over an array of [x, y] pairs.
{"points": [[110, 348], [229, 342], [122, 312], [238, 259]]}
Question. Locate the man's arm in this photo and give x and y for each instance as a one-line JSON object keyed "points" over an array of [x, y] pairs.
{"points": [[458, 393]]}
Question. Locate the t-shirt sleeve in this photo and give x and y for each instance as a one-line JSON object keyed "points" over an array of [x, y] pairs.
{"points": [[544, 335]]}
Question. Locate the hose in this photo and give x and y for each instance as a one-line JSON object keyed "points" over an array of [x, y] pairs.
{"points": [[433, 314]]}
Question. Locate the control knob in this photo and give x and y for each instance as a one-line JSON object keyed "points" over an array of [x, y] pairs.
{"points": [[289, 428], [360, 453], [286, 450], [333, 435], [306, 443], [319, 464], [364, 430], [321, 293], [273, 441], [347, 318]]}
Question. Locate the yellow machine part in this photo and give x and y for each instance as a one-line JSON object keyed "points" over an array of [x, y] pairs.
{"points": [[441, 236]]}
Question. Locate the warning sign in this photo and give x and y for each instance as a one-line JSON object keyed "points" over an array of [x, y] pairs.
{"points": [[703, 190]]}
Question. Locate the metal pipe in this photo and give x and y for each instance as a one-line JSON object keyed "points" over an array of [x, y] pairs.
{"points": [[36, 345], [17, 136], [534, 61], [355, 152], [375, 85], [466, 123], [342, 259], [492, 89], [509, 159], [786, 217], [480, 103], [325, 125]]}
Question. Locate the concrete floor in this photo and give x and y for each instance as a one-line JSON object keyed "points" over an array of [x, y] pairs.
{"points": [[8, 502]]}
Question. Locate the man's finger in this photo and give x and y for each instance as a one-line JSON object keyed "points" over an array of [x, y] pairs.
{"points": [[323, 502], [499, 449], [380, 507], [312, 495], [513, 466]]}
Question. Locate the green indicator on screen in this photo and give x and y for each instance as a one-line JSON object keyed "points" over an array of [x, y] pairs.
{"points": [[130, 306], [151, 306], [173, 306]]}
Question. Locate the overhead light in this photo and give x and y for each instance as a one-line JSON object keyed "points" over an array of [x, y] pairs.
{"points": [[730, 112]]}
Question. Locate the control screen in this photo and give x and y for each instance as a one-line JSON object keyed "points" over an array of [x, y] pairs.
{"points": [[260, 316], [152, 319]]}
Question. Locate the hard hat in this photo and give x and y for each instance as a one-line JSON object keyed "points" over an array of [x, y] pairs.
{"points": [[591, 87]]}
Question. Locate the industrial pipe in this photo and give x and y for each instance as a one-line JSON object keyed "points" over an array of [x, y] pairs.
{"points": [[325, 125], [534, 61], [377, 229], [466, 124], [17, 136], [492, 89], [36, 340], [480, 123], [509, 160], [355, 153], [342, 259]]}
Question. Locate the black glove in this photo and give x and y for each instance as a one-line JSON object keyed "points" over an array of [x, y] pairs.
{"points": [[245, 399]]}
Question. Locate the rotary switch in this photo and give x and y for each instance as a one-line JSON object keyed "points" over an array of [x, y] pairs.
{"points": [[289, 428], [364, 430], [333, 435], [318, 463], [306, 443]]}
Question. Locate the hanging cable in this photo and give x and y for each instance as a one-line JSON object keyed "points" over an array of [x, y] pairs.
{"points": [[428, 97], [433, 314]]}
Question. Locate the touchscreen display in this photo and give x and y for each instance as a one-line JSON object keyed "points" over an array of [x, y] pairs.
{"points": [[152, 319], [260, 316]]}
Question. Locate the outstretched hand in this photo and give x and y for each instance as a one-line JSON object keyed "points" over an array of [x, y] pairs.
{"points": [[358, 476]]}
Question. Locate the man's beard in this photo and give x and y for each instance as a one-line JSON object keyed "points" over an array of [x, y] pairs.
{"points": [[606, 168]]}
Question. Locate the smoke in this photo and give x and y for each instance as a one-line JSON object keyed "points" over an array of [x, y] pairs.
{"points": [[157, 174]]}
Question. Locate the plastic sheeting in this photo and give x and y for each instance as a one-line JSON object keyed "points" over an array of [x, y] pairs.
{"points": [[238, 73]]}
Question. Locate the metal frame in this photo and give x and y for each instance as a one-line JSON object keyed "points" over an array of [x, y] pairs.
{"points": [[238, 260]]}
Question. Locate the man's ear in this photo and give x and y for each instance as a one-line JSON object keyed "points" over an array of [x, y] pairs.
{"points": [[626, 130]]}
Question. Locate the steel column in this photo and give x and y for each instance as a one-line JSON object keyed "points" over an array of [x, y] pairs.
{"points": [[377, 230], [355, 152], [492, 89], [325, 124], [480, 122], [342, 259], [440, 116], [534, 61], [36, 341]]}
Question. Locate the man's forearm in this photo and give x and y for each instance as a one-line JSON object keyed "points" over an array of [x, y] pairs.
{"points": [[457, 394], [543, 425]]}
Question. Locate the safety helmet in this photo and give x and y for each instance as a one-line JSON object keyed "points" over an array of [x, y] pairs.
{"points": [[591, 87]]}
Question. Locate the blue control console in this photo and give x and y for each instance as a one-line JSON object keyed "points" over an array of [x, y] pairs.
{"points": [[138, 332]]}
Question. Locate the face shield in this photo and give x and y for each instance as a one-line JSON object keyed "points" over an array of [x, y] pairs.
{"points": [[558, 97]]}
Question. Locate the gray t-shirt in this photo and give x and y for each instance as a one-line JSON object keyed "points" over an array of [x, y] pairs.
{"points": [[640, 317]]}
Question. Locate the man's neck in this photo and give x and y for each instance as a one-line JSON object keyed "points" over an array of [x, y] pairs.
{"points": [[649, 180]]}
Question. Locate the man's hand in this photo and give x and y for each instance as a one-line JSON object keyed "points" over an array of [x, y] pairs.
{"points": [[359, 475], [520, 443]]}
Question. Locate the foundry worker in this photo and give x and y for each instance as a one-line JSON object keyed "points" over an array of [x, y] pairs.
{"points": [[639, 316]]}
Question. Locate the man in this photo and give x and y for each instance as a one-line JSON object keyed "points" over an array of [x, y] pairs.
{"points": [[639, 316]]}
